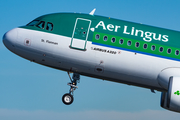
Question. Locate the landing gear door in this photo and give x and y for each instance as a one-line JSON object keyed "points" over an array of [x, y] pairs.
{"points": [[80, 34]]}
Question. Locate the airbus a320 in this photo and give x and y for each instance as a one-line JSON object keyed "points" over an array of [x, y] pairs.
{"points": [[103, 48]]}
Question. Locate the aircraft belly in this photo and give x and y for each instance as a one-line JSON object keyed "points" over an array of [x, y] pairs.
{"points": [[129, 66], [107, 66]]}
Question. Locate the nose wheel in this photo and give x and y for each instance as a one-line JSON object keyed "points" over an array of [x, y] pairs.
{"points": [[68, 98]]}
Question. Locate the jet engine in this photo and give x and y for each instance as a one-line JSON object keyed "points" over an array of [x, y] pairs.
{"points": [[170, 100]]}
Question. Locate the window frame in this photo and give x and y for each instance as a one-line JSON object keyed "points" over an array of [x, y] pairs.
{"points": [[136, 45], [176, 51], [122, 41], [128, 42], [40, 23], [160, 49], [96, 36], [50, 24], [154, 47], [106, 37], [29, 24], [170, 50], [146, 46], [112, 39]]}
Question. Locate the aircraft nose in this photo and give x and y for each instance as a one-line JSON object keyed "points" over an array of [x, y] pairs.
{"points": [[9, 39]]}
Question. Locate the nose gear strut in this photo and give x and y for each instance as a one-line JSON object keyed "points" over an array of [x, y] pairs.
{"points": [[68, 97]]}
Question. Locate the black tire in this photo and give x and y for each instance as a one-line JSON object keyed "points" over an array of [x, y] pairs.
{"points": [[67, 99]]}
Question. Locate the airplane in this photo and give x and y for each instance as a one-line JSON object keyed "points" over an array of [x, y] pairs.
{"points": [[104, 48]]}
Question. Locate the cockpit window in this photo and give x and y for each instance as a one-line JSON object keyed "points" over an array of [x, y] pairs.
{"points": [[32, 23], [41, 25], [49, 26]]}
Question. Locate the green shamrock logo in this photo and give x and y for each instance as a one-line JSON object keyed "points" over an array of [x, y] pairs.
{"points": [[177, 93]]}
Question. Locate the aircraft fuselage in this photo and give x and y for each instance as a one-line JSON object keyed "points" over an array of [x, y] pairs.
{"points": [[98, 47]]}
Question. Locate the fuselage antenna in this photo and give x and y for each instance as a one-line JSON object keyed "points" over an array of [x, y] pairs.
{"points": [[92, 12]]}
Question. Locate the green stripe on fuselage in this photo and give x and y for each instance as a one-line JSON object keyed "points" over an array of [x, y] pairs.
{"points": [[132, 47], [139, 32]]}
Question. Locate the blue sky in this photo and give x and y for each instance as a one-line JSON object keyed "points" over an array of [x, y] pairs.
{"points": [[31, 91]]}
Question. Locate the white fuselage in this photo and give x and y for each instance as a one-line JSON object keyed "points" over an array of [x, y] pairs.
{"points": [[124, 66]]}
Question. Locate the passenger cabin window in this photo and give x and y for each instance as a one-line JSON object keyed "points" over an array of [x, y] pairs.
{"points": [[97, 36], [161, 49], [49, 26], [169, 51], [145, 46], [41, 25], [105, 38], [121, 41], [177, 52], [137, 44], [129, 43], [113, 40], [32, 23], [153, 48]]}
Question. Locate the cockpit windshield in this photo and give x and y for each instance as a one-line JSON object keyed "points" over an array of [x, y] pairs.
{"points": [[42, 25], [32, 23]]}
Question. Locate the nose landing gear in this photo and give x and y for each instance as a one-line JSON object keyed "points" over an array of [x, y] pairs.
{"points": [[68, 97]]}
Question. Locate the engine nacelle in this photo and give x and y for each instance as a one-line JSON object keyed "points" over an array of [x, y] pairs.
{"points": [[164, 75], [170, 100]]}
